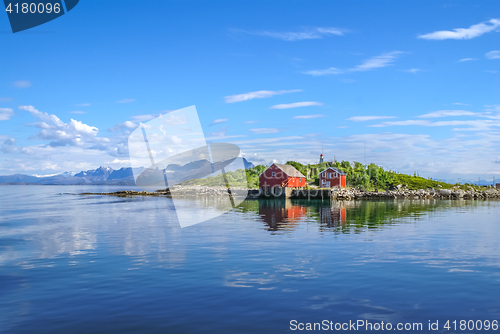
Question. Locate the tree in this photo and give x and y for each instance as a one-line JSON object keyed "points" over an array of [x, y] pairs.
{"points": [[298, 166]]}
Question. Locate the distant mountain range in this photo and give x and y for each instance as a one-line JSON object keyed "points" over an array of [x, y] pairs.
{"points": [[103, 175]]}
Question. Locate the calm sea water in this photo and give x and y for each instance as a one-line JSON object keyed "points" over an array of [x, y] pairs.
{"points": [[98, 264]]}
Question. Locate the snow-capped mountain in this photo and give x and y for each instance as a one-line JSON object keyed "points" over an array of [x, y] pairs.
{"points": [[66, 174], [101, 175]]}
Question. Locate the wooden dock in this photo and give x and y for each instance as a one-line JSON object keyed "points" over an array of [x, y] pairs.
{"points": [[278, 192]]}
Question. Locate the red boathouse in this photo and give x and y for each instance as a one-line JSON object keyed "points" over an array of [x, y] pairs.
{"points": [[332, 177], [281, 176]]}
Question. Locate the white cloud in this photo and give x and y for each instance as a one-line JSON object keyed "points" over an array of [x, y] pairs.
{"points": [[297, 105], [474, 125], [172, 120], [251, 122], [74, 133], [495, 107], [8, 146], [413, 70], [35, 158], [22, 84], [83, 104], [383, 60], [331, 31], [218, 121], [493, 55], [267, 141], [328, 71], [473, 31], [77, 112], [444, 158], [219, 136], [43, 116], [461, 104], [452, 157], [127, 125], [28, 151], [457, 156], [467, 59], [38, 158], [368, 118], [401, 123], [144, 118], [308, 116], [120, 162], [311, 33], [6, 114], [258, 95], [126, 101], [448, 113], [264, 130]]}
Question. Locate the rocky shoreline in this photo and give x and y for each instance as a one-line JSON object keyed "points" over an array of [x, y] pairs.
{"points": [[335, 194], [179, 191], [403, 193]]}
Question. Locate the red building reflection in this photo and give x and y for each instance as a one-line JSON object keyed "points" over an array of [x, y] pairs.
{"points": [[281, 214], [333, 216]]}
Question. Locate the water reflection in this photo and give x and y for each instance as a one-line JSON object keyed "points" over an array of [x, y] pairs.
{"points": [[134, 227], [144, 227], [281, 214], [349, 216], [73, 261], [334, 215]]}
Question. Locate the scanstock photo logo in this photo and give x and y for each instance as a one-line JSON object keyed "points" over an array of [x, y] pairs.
{"points": [[171, 151], [27, 14]]}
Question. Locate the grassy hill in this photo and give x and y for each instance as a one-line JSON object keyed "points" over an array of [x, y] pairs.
{"points": [[369, 177]]}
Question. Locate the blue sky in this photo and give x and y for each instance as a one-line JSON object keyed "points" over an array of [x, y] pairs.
{"points": [[413, 84]]}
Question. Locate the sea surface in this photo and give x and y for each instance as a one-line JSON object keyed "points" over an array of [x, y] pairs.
{"points": [[71, 263]]}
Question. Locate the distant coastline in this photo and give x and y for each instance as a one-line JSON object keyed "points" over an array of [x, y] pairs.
{"points": [[313, 194], [370, 178]]}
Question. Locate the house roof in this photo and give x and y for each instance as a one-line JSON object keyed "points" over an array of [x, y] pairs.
{"points": [[335, 169], [290, 170]]}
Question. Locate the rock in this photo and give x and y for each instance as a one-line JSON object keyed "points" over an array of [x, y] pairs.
{"points": [[445, 192]]}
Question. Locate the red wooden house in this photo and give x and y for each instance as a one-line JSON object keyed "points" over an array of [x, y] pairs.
{"points": [[332, 177], [284, 176]]}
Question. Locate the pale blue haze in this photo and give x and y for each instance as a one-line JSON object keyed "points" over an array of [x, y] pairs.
{"points": [[167, 55]]}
